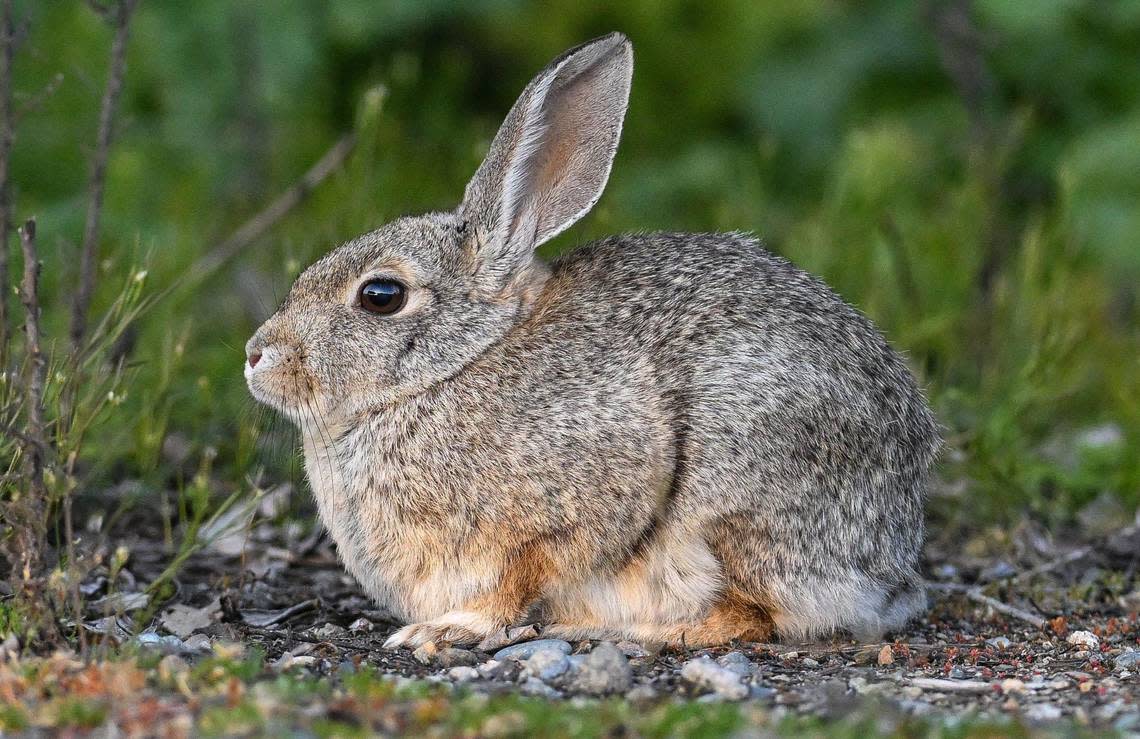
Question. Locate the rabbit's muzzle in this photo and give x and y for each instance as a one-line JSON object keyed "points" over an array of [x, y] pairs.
{"points": [[276, 374]]}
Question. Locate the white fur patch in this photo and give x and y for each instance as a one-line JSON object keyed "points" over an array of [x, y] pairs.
{"points": [[852, 601], [676, 581]]}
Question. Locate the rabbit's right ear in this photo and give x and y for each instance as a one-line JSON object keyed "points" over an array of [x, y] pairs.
{"points": [[552, 156]]}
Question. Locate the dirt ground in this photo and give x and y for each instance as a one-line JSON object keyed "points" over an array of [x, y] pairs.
{"points": [[1047, 633]]}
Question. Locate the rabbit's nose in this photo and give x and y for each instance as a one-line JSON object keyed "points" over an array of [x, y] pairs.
{"points": [[254, 359]]}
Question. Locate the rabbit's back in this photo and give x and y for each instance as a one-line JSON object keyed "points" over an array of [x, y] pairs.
{"points": [[801, 442]]}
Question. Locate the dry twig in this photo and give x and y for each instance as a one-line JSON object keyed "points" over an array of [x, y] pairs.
{"points": [[974, 593], [89, 247], [252, 229], [35, 440]]}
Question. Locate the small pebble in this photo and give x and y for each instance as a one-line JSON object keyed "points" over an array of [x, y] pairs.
{"points": [[547, 664], [704, 673], [604, 671], [946, 572], [329, 631], [998, 571], [1012, 685], [534, 686], [197, 643], [361, 626], [525, 650], [1042, 712], [1127, 661], [738, 663], [641, 694], [761, 693], [505, 671], [1085, 639], [455, 657], [631, 649], [463, 674]]}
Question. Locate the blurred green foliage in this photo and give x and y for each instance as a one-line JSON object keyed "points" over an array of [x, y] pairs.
{"points": [[968, 176]]}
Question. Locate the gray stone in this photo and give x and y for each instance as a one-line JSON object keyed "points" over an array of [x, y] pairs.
{"points": [[500, 671], [455, 657], [1042, 712], [604, 671], [329, 631], [463, 674], [197, 643], [641, 694], [761, 693], [1127, 661], [704, 673], [1127, 722], [164, 644], [738, 663], [534, 686], [916, 707], [1085, 639], [1000, 570], [547, 664], [946, 572], [525, 650], [632, 649], [361, 626]]}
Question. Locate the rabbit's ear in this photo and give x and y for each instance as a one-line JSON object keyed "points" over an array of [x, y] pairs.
{"points": [[552, 156]]}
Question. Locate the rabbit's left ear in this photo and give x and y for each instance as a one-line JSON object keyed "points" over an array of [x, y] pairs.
{"points": [[551, 158]]}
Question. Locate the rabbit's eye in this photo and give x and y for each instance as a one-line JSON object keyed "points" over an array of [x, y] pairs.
{"points": [[382, 296]]}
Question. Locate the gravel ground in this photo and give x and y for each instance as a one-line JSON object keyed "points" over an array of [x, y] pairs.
{"points": [[1071, 652]]}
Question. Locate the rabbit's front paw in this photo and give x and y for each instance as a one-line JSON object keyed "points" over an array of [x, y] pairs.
{"points": [[456, 627]]}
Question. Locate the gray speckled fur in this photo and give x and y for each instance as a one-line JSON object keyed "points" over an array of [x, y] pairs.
{"points": [[643, 426]]}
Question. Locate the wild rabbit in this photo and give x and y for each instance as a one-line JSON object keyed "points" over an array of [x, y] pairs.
{"points": [[666, 437]]}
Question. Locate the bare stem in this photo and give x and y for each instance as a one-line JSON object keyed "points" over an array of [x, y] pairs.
{"points": [[974, 593], [35, 442], [89, 247]]}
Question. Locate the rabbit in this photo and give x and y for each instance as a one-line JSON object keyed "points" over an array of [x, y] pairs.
{"points": [[667, 437]]}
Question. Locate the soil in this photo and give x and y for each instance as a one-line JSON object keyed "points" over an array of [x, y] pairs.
{"points": [[1065, 656]]}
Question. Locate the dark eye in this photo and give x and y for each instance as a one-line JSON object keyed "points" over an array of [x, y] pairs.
{"points": [[382, 296]]}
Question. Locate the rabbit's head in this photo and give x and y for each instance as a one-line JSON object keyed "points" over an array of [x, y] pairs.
{"points": [[409, 305]]}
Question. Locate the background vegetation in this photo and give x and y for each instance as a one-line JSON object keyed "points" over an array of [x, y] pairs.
{"points": [[968, 173]]}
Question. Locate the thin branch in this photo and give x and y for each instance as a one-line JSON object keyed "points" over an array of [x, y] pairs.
{"points": [[36, 445], [1054, 564], [7, 52], [256, 226], [974, 593], [89, 247]]}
